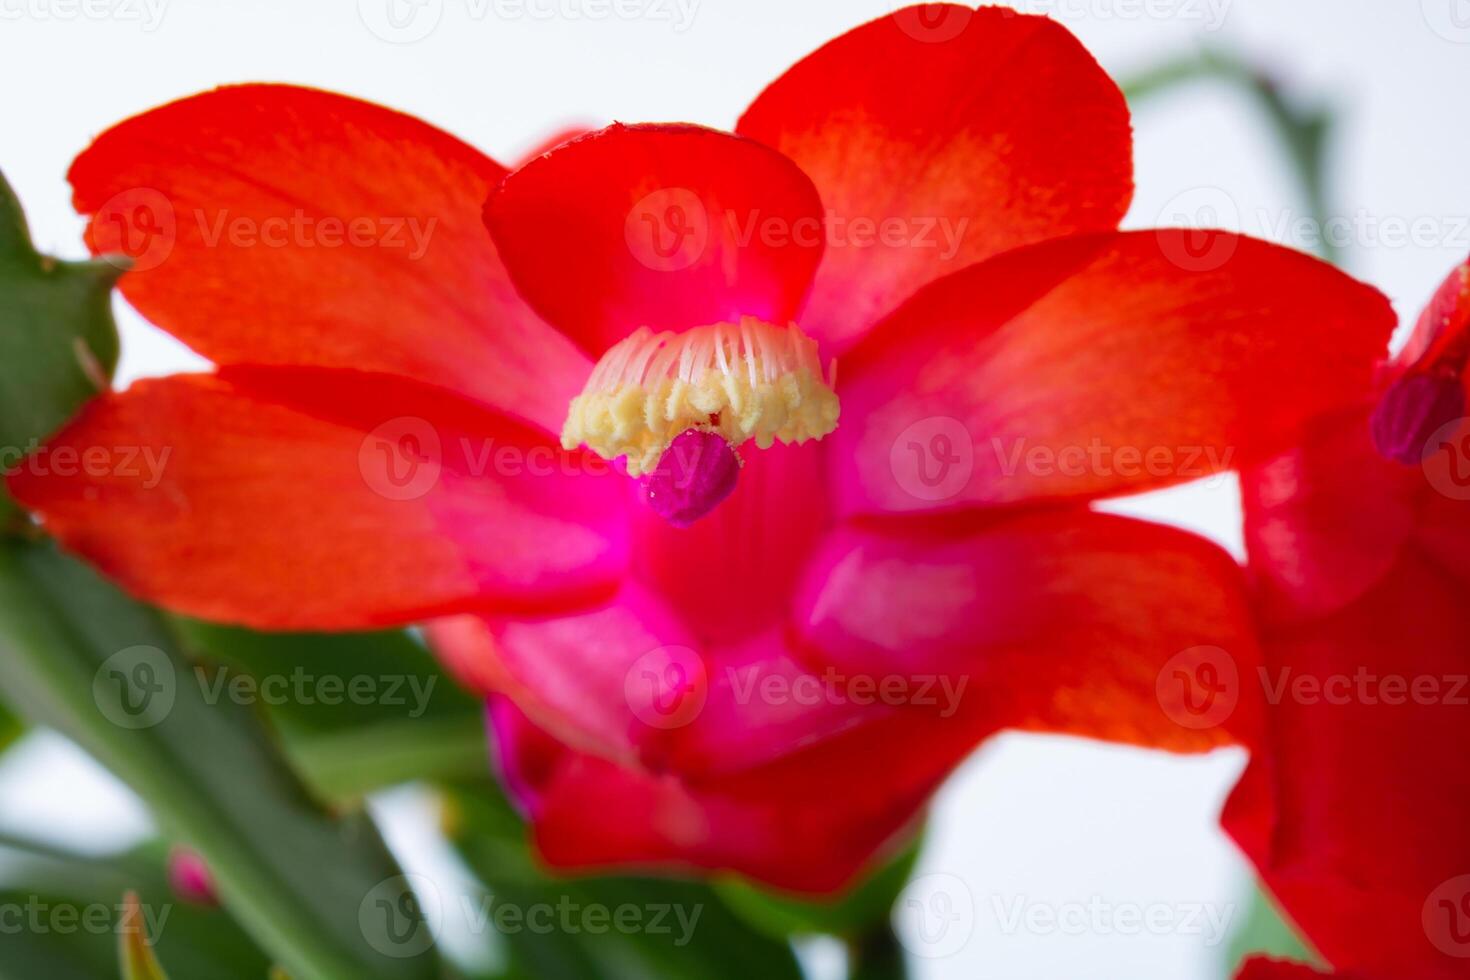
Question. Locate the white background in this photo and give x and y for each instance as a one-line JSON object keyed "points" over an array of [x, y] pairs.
{"points": [[1031, 821]]}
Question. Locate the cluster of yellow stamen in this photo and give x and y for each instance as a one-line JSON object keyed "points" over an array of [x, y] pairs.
{"points": [[746, 380]]}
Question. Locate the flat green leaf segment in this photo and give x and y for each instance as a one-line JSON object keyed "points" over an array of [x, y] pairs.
{"points": [[358, 712], [855, 915], [321, 895], [1264, 931], [11, 727], [58, 341]]}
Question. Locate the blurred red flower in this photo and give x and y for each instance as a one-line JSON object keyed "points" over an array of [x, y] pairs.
{"points": [[1359, 546]]}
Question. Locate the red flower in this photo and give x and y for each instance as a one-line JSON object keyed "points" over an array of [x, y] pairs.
{"points": [[1356, 813], [762, 690]]}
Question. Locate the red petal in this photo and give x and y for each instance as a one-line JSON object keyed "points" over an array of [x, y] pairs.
{"points": [[965, 133], [1365, 771], [312, 498], [238, 203], [1068, 622], [1327, 522], [1441, 330], [660, 226], [1312, 552], [1101, 365], [809, 822]]}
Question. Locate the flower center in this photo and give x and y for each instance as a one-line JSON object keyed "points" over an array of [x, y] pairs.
{"points": [[742, 381]]}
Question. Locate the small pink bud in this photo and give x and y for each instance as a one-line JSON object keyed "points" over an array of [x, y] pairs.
{"points": [[190, 878], [695, 473]]}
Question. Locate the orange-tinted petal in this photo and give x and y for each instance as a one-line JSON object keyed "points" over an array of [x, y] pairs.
{"points": [[312, 498], [939, 136], [1099, 365], [280, 225]]}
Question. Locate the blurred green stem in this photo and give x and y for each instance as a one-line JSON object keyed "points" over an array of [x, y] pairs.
{"points": [[875, 954], [1303, 130]]}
